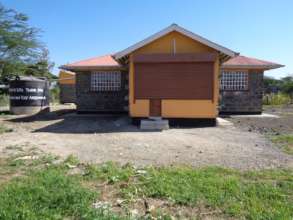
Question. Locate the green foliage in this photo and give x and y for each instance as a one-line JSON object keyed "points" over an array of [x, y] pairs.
{"points": [[276, 99], [244, 195], [109, 172], [287, 87], [51, 193], [21, 53], [41, 68], [55, 95], [271, 83], [72, 160], [285, 141], [4, 100], [48, 194]]}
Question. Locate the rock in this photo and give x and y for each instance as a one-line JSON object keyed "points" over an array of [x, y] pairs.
{"points": [[134, 212], [101, 205], [33, 157], [75, 171], [70, 166], [141, 171], [120, 201], [57, 162]]}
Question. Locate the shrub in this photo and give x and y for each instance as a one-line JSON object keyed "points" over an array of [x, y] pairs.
{"points": [[54, 95], [276, 99], [4, 100]]}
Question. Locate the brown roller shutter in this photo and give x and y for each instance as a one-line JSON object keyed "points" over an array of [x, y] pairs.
{"points": [[188, 80]]}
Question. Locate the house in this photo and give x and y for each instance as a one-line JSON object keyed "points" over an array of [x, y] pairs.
{"points": [[66, 81], [171, 74]]}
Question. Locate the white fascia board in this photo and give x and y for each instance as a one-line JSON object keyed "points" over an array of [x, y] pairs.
{"points": [[175, 27]]}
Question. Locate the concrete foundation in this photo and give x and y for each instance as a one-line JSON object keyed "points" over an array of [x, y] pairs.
{"points": [[154, 124]]}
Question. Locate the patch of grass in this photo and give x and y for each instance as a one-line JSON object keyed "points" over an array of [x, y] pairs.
{"points": [[285, 141], [109, 172], [4, 129], [49, 194], [44, 159], [243, 195], [72, 160]]}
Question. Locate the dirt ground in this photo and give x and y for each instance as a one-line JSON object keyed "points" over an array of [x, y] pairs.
{"points": [[268, 125], [101, 138]]}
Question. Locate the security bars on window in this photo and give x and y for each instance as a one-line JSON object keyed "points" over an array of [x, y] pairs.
{"points": [[234, 81], [105, 81]]}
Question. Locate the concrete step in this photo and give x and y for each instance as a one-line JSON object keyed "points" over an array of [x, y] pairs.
{"points": [[155, 118], [151, 124]]}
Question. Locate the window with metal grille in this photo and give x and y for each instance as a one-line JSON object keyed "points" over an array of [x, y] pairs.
{"points": [[105, 81], [234, 80]]}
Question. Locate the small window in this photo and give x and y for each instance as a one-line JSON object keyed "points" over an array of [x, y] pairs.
{"points": [[234, 80], [105, 81]]}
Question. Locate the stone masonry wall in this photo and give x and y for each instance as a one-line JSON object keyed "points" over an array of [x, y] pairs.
{"points": [[249, 101], [67, 93], [100, 101]]}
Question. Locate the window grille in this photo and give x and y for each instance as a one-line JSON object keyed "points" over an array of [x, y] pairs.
{"points": [[234, 80], [105, 81]]}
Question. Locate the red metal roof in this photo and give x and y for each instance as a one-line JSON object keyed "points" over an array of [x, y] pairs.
{"points": [[101, 61], [248, 62]]}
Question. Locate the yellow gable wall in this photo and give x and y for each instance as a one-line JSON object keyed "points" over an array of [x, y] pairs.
{"points": [[66, 78], [183, 45], [175, 108]]}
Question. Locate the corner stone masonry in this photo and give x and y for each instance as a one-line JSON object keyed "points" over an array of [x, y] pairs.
{"points": [[249, 101], [67, 93], [103, 101]]}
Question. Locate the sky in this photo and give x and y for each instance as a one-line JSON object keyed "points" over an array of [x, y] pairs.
{"points": [[79, 29]]}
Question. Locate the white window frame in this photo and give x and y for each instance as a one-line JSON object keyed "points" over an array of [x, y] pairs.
{"points": [[234, 80], [105, 81]]}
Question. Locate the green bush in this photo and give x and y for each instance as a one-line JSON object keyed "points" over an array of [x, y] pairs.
{"points": [[276, 99], [4, 100], [54, 95]]}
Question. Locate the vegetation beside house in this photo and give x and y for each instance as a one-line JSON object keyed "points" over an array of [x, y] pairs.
{"points": [[46, 188], [21, 52], [278, 91]]}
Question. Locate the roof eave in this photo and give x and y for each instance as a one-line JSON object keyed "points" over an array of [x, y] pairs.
{"points": [[264, 67], [76, 68]]}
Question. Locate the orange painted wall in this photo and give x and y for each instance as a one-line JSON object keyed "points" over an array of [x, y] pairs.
{"points": [[66, 77], [175, 108]]}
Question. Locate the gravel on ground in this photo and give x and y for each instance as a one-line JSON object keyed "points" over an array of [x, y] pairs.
{"points": [[101, 138]]}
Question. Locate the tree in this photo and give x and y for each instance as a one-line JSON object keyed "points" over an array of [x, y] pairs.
{"points": [[20, 50], [287, 86], [271, 85], [41, 67]]}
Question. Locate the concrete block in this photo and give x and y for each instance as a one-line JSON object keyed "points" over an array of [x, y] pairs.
{"points": [[151, 124]]}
